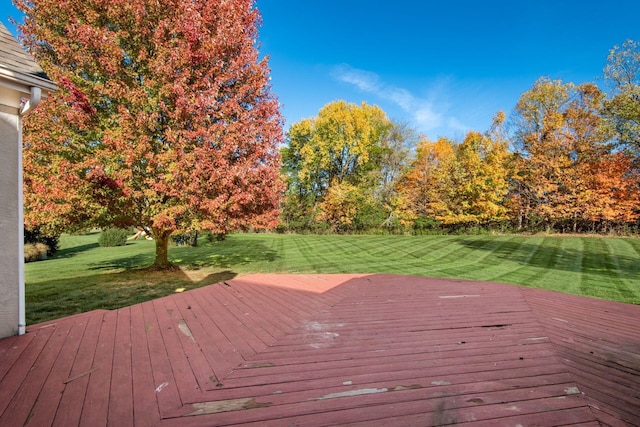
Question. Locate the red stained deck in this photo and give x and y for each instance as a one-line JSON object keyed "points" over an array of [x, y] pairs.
{"points": [[294, 350]]}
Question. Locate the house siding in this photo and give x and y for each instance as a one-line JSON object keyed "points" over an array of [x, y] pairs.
{"points": [[10, 257]]}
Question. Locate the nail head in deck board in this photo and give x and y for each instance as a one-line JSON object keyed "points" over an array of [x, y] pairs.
{"points": [[394, 355]]}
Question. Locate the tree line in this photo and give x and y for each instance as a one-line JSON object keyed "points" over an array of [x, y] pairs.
{"points": [[566, 160]]}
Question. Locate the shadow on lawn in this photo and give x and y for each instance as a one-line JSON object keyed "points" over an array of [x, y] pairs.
{"points": [[127, 263], [70, 252], [225, 255], [58, 298], [593, 260], [219, 256]]}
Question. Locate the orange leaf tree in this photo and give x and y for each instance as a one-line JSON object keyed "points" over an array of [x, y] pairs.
{"points": [[165, 117], [568, 170], [428, 178]]}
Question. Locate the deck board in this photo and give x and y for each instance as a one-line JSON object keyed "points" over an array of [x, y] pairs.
{"points": [[211, 341], [17, 376], [146, 410], [164, 384], [75, 386], [11, 350], [44, 410], [331, 350], [121, 390], [96, 399], [600, 346], [28, 395], [184, 318], [173, 328]]}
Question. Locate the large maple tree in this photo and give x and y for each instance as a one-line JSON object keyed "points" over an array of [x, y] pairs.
{"points": [[164, 119]]}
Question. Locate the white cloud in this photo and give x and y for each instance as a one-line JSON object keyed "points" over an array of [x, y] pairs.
{"points": [[399, 96], [427, 114], [428, 118], [366, 81]]}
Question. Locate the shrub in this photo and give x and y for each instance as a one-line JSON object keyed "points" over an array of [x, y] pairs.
{"points": [[35, 252], [113, 237], [217, 237], [190, 238], [37, 236]]}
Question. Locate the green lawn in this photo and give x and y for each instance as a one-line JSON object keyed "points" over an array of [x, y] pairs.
{"points": [[83, 276]]}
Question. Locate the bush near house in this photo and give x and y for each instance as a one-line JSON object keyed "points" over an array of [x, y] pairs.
{"points": [[113, 237], [36, 235], [35, 252]]}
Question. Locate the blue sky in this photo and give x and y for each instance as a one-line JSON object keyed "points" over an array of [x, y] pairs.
{"points": [[443, 67]]}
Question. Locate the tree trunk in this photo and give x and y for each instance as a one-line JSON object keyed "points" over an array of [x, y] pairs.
{"points": [[161, 238], [520, 218], [193, 239]]}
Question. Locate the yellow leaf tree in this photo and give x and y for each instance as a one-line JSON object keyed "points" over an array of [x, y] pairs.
{"points": [[461, 184], [330, 158]]}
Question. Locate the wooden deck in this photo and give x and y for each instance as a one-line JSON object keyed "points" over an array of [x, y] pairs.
{"points": [[348, 350]]}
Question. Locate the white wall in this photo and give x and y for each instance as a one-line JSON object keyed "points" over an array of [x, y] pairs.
{"points": [[11, 258]]}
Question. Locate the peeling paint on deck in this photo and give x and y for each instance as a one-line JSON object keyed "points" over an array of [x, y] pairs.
{"points": [[184, 328], [215, 407], [351, 393], [492, 363], [457, 296], [322, 332], [365, 391], [572, 390], [259, 365]]}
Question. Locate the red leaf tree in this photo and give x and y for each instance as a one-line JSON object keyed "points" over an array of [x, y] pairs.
{"points": [[165, 117]]}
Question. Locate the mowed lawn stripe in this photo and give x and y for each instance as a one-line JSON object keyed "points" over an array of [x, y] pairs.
{"points": [[552, 262], [83, 276]]}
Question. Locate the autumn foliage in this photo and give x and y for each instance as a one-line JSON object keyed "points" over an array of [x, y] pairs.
{"points": [[570, 175], [460, 183], [164, 118], [566, 162]]}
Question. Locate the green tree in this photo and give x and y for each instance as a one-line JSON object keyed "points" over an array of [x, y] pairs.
{"points": [[345, 143], [165, 118], [341, 148]]}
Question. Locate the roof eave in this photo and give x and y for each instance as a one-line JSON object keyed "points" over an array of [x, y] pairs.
{"points": [[23, 81]]}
